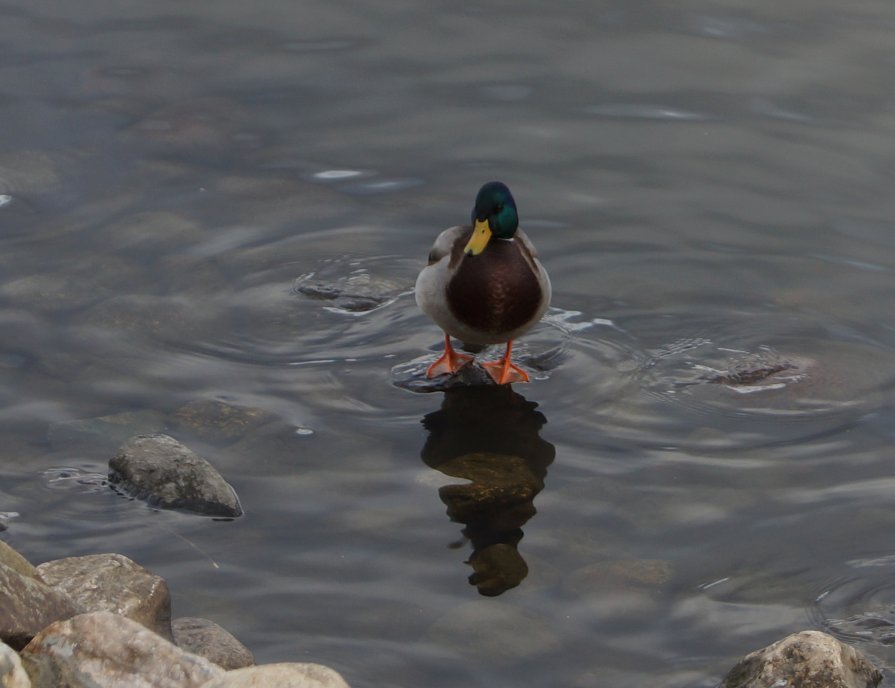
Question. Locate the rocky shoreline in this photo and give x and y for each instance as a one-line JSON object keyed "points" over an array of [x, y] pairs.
{"points": [[104, 621]]}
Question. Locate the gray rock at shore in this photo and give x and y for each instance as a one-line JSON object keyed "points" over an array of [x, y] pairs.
{"points": [[27, 605], [809, 659], [12, 674], [286, 675], [113, 583], [169, 475], [16, 561], [206, 639], [104, 650]]}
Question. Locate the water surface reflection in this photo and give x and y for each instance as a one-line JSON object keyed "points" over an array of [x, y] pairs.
{"points": [[489, 435]]}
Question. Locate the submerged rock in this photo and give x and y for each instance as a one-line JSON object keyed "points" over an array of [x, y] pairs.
{"points": [[168, 318], [12, 674], [809, 659], [105, 432], [104, 650], [217, 420], [619, 575], [206, 639], [761, 369], [284, 675], [113, 583], [348, 288], [499, 633], [27, 605], [169, 475]]}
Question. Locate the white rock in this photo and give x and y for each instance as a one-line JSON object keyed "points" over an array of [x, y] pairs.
{"points": [[286, 675], [12, 675], [104, 650]]}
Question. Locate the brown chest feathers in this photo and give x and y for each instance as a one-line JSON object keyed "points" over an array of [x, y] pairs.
{"points": [[496, 291]]}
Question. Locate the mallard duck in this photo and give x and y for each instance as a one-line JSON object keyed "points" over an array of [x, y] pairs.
{"points": [[484, 284]]}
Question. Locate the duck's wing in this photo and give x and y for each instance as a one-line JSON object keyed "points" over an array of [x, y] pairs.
{"points": [[529, 252], [449, 243]]}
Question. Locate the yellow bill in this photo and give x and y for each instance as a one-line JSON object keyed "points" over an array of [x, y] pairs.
{"points": [[481, 235]]}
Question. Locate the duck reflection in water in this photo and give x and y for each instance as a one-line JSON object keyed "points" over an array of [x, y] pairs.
{"points": [[488, 434]]}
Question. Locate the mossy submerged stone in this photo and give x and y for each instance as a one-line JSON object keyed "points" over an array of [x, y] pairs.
{"points": [[169, 475], [218, 421]]}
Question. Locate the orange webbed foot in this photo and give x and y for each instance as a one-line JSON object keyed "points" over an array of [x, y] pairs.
{"points": [[449, 362], [505, 371]]}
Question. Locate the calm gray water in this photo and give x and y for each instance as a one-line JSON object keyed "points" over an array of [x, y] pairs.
{"points": [[184, 186]]}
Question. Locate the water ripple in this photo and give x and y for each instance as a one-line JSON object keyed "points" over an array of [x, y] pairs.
{"points": [[861, 607], [646, 111]]}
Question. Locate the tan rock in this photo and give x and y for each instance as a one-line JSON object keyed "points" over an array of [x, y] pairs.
{"points": [[16, 561], [113, 583], [286, 675], [12, 674], [104, 650], [207, 639], [809, 659], [27, 605]]}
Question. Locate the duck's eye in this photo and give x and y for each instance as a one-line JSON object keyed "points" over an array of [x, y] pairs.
{"points": [[499, 207]]}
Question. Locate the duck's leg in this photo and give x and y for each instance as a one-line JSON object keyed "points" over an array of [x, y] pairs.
{"points": [[504, 370], [449, 362]]}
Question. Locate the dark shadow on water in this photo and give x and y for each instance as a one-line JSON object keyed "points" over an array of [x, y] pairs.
{"points": [[489, 435]]}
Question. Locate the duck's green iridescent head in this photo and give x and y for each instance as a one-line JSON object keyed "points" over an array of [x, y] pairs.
{"points": [[494, 214]]}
